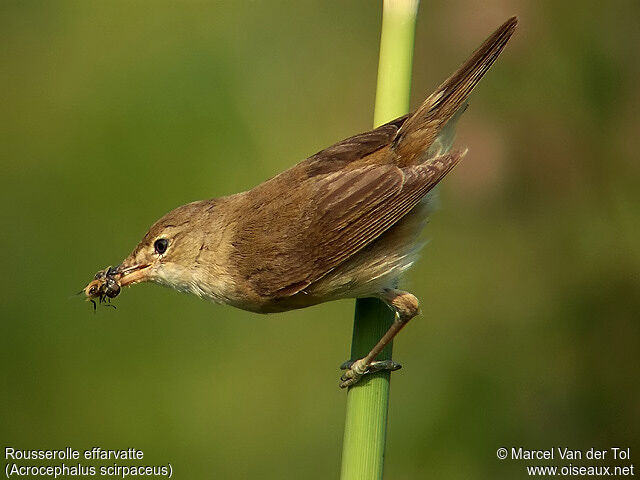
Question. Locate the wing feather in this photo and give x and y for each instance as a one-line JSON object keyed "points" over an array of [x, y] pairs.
{"points": [[335, 215]]}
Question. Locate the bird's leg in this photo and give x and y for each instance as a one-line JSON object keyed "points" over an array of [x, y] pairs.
{"points": [[405, 307]]}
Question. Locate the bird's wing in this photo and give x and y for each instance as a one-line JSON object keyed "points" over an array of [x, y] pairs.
{"points": [[328, 218], [351, 149]]}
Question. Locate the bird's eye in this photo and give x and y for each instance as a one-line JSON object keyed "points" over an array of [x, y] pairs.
{"points": [[161, 245]]}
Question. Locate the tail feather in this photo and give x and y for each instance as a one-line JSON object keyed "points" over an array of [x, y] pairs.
{"points": [[420, 130]]}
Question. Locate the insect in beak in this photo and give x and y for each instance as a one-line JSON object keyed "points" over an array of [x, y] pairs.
{"points": [[103, 287]]}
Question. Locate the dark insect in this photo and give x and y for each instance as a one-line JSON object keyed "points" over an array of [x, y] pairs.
{"points": [[103, 287]]}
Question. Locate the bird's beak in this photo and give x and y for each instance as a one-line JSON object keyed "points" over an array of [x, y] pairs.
{"points": [[128, 275]]}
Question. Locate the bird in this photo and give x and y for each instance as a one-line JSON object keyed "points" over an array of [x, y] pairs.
{"points": [[343, 223]]}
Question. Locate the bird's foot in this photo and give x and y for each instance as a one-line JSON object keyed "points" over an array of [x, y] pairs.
{"points": [[355, 370]]}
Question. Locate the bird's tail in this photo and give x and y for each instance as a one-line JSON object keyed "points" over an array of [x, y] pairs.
{"points": [[421, 129]]}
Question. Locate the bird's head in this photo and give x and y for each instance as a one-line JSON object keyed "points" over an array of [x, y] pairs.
{"points": [[169, 251]]}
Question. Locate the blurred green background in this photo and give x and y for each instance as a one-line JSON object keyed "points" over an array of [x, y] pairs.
{"points": [[116, 112]]}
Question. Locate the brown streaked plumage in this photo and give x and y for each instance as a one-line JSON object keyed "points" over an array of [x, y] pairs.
{"points": [[344, 223]]}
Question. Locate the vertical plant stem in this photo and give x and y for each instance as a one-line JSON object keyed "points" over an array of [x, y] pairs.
{"points": [[396, 58], [368, 401]]}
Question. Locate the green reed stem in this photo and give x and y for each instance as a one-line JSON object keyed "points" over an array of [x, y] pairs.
{"points": [[368, 401]]}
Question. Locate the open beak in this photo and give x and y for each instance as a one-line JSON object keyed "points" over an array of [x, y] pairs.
{"points": [[133, 274]]}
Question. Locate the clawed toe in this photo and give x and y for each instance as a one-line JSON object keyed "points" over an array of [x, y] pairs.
{"points": [[355, 370]]}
